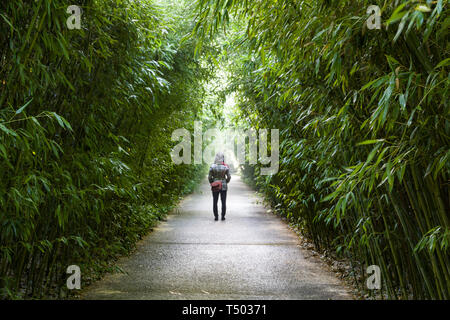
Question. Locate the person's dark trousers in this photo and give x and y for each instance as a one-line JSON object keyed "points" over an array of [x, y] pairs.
{"points": [[223, 199]]}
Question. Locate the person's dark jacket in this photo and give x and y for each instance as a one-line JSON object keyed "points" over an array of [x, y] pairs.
{"points": [[220, 172]]}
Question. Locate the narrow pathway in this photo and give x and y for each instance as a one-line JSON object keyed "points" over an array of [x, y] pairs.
{"points": [[251, 255]]}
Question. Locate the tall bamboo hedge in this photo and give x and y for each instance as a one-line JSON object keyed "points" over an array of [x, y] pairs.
{"points": [[85, 134], [364, 122]]}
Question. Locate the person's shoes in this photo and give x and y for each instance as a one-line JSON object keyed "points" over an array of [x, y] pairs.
{"points": [[223, 218], [216, 218]]}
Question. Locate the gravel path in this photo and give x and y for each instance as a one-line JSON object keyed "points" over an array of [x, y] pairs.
{"points": [[250, 255]]}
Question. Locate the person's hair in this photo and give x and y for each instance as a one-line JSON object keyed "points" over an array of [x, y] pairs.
{"points": [[220, 158]]}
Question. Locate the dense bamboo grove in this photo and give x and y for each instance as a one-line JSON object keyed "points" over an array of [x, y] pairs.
{"points": [[86, 118], [85, 134], [364, 122]]}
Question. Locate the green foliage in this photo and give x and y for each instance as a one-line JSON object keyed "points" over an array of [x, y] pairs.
{"points": [[86, 118], [364, 123]]}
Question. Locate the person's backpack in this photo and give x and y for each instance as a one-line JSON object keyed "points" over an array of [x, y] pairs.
{"points": [[216, 186]]}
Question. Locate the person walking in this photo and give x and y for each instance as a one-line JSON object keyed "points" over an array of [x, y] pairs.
{"points": [[219, 177]]}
